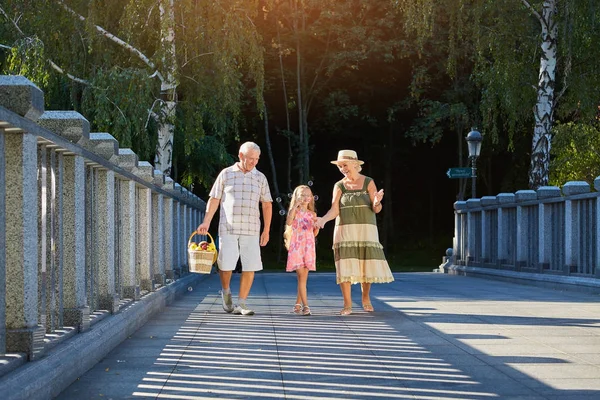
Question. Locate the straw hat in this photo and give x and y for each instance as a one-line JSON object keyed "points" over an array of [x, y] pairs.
{"points": [[347, 155]]}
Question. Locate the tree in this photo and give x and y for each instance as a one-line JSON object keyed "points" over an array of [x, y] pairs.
{"points": [[510, 41], [575, 153], [169, 42], [319, 41]]}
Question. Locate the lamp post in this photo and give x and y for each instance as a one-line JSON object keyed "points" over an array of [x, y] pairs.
{"points": [[474, 139]]}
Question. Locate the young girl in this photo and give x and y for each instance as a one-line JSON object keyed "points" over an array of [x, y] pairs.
{"points": [[299, 236]]}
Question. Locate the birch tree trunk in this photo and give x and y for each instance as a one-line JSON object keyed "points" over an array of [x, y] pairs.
{"points": [[168, 82], [168, 89], [544, 109]]}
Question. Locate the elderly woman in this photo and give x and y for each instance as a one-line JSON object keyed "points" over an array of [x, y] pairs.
{"points": [[359, 256]]}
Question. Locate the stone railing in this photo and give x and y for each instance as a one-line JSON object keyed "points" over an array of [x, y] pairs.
{"points": [[548, 232], [85, 228]]}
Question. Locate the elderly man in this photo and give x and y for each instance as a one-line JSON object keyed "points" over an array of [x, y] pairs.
{"points": [[238, 191]]}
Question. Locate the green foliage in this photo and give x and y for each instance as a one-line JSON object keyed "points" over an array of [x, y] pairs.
{"points": [[27, 58], [218, 58], [119, 102], [329, 51], [204, 149], [434, 117], [579, 74], [575, 152]]}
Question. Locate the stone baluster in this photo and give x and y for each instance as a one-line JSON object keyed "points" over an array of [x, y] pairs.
{"points": [[503, 226], [168, 237], [545, 225], [106, 146], [524, 222], [170, 225], [128, 160], [572, 232], [459, 231], [158, 222], [486, 226], [74, 127], [181, 238], [597, 225], [2, 246], [473, 205], [20, 286], [50, 180], [185, 222], [145, 253]]}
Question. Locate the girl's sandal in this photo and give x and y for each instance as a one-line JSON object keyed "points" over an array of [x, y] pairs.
{"points": [[368, 307], [297, 309], [306, 311], [346, 311]]}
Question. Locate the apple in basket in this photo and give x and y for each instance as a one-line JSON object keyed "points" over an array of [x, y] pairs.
{"points": [[203, 246]]}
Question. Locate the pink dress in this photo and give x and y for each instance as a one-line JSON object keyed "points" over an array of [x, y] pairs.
{"points": [[302, 243]]}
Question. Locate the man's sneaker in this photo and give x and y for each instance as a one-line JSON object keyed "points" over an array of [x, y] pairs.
{"points": [[227, 302], [242, 309]]}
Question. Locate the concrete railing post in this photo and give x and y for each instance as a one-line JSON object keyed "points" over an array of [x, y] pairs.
{"points": [[71, 218], [486, 227], [597, 226], [177, 237], [185, 234], [473, 230], [572, 232], [145, 253], [76, 309], [144, 248], [158, 238], [130, 288], [158, 223], [2, 246], [19, 276], [524, 222], [459, 231], [105, 237], [107, 147], [24, 335], [503, 226], [545, 225], [168, 237]]}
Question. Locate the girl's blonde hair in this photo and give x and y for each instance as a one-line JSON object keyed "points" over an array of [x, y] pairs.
{"points": [[287, 234]]}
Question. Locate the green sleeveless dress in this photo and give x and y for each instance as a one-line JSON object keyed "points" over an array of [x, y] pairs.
{"points": [[359, 256]]}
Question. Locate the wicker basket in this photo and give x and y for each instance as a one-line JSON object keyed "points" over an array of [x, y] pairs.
{"points": [[201, 261]]}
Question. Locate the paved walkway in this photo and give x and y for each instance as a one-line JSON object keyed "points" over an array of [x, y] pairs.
{"points": [[432, 336]]}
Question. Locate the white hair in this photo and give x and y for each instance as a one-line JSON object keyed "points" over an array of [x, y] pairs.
{"points": [[249, 146]]}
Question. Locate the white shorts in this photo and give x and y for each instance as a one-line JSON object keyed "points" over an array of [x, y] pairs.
{"points": [[232, 247]]}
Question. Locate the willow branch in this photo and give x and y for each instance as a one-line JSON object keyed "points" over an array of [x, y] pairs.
{"points": [[116, 40]]}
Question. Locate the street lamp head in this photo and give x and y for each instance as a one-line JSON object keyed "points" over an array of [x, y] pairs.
{"points": [[474, 139]]}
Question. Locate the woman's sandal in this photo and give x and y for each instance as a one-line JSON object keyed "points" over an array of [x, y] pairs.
{"points": [[346, 311], [368, 307], [306, 310], [297, 309]]}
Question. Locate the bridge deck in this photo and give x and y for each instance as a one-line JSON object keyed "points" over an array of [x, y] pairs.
{"points": [[432, 336]]}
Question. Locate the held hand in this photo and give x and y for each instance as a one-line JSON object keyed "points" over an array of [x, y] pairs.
{"points": [[314, 220], [264, 238], [377, 198], [320, 222], [202, 228]]}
